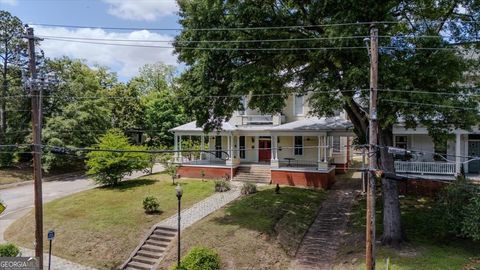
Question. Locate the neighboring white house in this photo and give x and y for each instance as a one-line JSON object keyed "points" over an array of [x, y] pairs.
{"points": [[290, 147], [439, 162]]}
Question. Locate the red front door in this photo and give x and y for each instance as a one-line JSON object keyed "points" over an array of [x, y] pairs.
{"points": [[264, 153]]}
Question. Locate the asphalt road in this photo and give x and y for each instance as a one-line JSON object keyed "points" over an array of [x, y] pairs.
{"points": [[19, 200]]}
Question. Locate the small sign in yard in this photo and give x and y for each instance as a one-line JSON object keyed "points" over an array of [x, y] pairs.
{"points": [[51, 235], [2, 207]]}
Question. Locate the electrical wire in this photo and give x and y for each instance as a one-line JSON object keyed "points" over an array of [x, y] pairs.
{"points": [[430, 104], [220, 29]]}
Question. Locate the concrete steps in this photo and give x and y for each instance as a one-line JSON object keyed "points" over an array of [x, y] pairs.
{"points": [[253, 174], [151, 249]]}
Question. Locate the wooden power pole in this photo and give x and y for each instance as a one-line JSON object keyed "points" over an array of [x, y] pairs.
{"points": [[372, 157], [37, 149]]}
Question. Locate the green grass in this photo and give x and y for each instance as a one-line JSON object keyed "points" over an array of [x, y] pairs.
{"points": [[259, 231], [424, 249], [100, 227]]}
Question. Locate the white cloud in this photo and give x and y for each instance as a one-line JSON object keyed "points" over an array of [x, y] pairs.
{"points": [[141, 10], [9, 2], [124, 60]]}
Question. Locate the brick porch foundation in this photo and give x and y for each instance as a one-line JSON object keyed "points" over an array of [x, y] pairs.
{"points": [[210, 172], [304, 179]]}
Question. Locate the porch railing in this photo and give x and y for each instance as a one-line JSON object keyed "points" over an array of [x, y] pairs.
{"points": [[447, 168], [295, 163]]}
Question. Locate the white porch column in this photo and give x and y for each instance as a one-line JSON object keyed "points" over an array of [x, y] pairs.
{"points": [[238, 147], [274, 152], [256, 148], [321, 151], [325, 148], [180, 154], [202, 146], [176, 155], [458, 160]]}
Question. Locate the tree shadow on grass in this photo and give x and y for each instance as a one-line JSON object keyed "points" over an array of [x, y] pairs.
{"points": [[130, 184]]}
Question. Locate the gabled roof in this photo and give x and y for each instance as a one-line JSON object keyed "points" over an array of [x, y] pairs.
{"points": [[316, 124]]}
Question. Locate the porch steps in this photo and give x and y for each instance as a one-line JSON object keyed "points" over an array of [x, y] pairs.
{"points": [[253, 174], [151, 249]]}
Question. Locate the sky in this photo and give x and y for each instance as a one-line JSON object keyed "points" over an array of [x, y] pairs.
{"points": [[108, 13]]}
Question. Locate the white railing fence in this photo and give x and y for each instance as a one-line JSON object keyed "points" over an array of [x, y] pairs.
{"points": [[447, 168], [257, 119]]}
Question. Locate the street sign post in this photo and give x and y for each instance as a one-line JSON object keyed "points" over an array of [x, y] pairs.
{"points": [[50, 236]]}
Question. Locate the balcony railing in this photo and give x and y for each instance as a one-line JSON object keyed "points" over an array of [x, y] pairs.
{"points": [[257, 119], [446, 168]]}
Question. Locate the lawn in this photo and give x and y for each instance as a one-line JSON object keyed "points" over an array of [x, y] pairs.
{"points": [[422, 251], [100, 227], [260, 231]]}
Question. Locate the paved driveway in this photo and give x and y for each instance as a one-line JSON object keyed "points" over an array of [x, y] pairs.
{"points": [[19, 200]]}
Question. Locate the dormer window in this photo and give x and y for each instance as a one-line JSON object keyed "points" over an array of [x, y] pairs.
{"points": [[298, 105]]}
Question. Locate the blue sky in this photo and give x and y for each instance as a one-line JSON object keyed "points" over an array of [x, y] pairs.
{"points": [[110, 13]]}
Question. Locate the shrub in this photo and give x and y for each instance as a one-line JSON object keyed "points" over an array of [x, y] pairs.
{"points": [[471, 223], [222, 186], [200, 258], [248, 188], [457, 211], [108, 168], [151, 204], [9, 250]]}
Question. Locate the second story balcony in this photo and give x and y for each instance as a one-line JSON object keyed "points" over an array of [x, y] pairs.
{"points": [[261, 119]]}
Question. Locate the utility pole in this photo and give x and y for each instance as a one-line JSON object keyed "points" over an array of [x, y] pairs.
{"points": [[37, 141], [372, 156]]}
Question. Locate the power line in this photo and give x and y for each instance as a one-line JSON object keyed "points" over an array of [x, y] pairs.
{"points": [[202, 41], [219, 29], [430, 104], [207, 48], [390, 48], [237, 28], [238, 41]]}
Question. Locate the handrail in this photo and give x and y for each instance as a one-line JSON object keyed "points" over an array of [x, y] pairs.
{"points": [[447, 168]]}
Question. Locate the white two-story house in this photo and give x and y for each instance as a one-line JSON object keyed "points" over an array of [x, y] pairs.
{"points": [[291, 147]]}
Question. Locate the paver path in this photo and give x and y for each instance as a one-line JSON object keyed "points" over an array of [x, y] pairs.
{"points": [[202, 208], [319, 247], [57, 262]]}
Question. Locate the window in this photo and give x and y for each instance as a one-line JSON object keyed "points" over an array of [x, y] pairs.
{"points": [[401, 142], [218, 146], [298, 104], [336, 144], [242, 147], [298, 149]]}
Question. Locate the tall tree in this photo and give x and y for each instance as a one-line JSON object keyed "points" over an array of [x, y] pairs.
{"points": [[11, 31], [415, 56], [77, 112]]}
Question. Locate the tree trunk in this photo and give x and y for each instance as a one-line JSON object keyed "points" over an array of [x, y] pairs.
{"points": [[392, 229]]}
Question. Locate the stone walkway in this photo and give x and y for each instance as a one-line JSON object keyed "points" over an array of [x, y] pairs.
{"points": [[319, 247], [57, 262], [203, 208]]}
